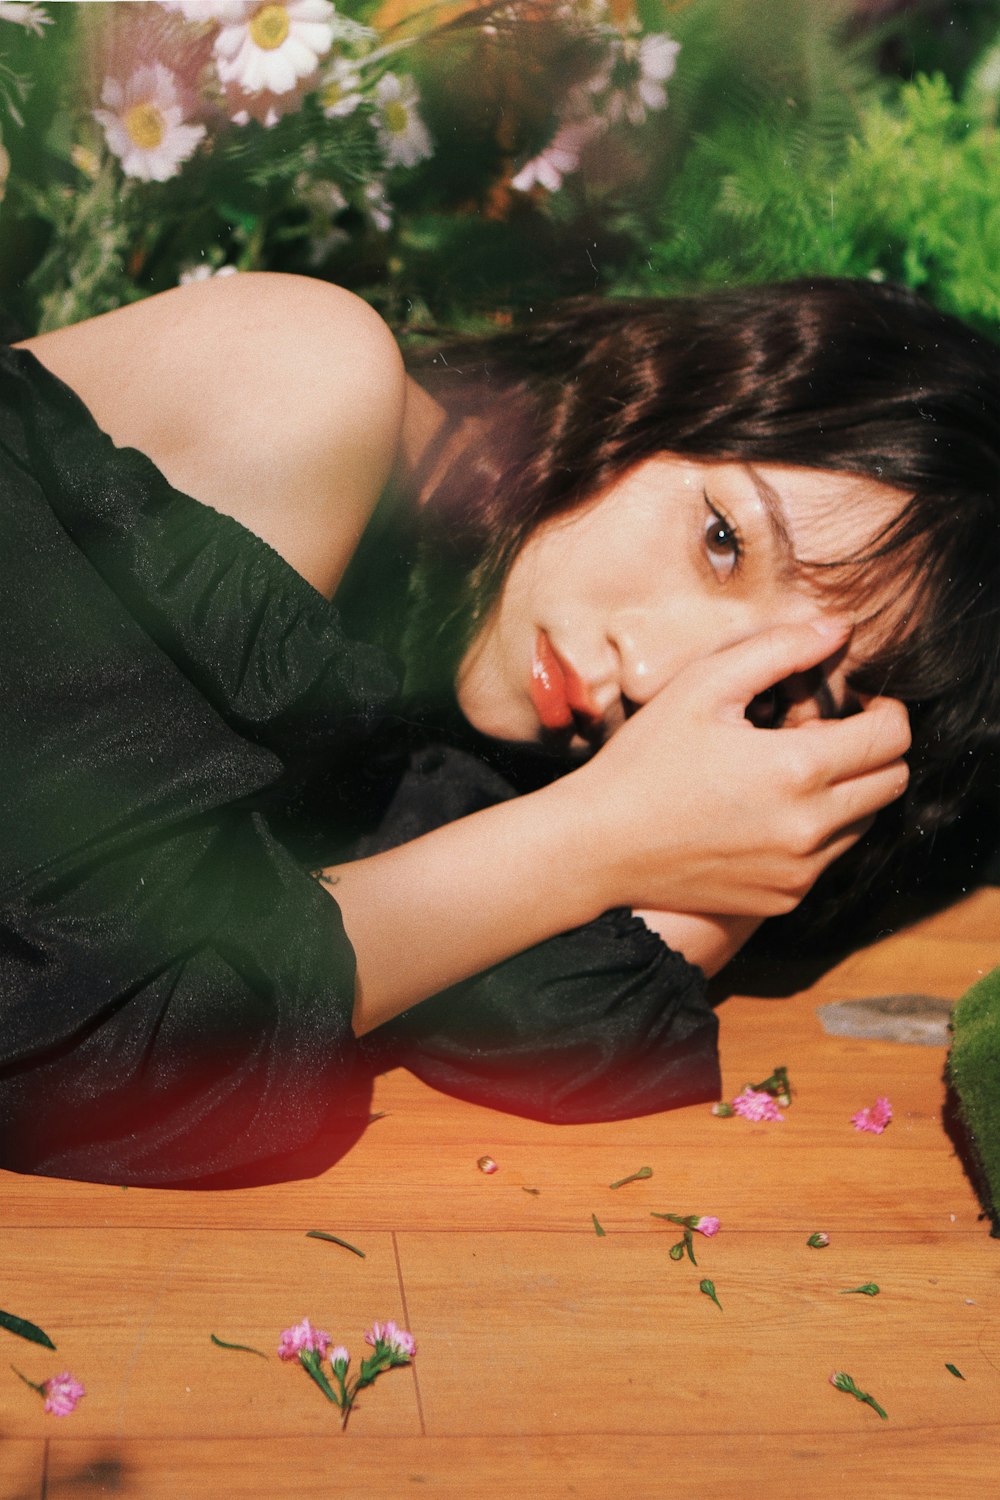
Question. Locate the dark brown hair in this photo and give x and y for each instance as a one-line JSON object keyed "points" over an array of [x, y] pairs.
{"points": [[848, 376]]}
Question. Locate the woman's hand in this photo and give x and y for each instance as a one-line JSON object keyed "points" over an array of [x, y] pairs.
{"points": [[690, 808]]}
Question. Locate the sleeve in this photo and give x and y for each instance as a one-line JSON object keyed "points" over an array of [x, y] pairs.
{"points": [[604, 1022], [175, 990]]}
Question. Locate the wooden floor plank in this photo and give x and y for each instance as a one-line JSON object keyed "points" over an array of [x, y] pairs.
{"points": [[530, 1327], [889, 1462], [131, 1312], [22, 1467], [611, 1335]]}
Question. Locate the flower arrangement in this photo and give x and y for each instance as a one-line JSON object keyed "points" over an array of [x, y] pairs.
{"points": [[183, 138]]}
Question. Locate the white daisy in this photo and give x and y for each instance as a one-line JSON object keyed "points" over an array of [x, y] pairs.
{"points": [[273, 47], [402, 134], [143, 124], [22, 13], [340, 89], [639, 74]]}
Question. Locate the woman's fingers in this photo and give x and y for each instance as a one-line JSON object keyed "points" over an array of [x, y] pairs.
{"points": [[752, 666], [878, 736]]}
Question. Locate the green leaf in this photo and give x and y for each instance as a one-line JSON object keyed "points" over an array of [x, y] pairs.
{"points": [[708, 1287], [25, 1330], [321, 1234], [244, 1348], [954, 1370], [597, 1228], [639, 1176], [868, 1290]]}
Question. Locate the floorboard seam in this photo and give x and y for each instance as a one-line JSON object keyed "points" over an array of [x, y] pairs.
{"points": [[406, 1318], [45, 1469]]}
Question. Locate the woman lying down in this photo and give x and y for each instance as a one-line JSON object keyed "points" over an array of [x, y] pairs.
{"points": [[466, 719]]}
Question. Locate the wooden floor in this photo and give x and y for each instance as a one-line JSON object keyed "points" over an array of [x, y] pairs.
{"points": [[551, 1361]]}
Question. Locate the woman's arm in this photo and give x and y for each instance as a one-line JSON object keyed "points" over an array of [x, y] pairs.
{"points": [[689, 808]]}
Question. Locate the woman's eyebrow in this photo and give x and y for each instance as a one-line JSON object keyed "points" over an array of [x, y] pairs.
{"points": [[777, 520]]}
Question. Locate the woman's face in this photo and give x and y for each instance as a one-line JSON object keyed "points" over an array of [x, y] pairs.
{"points": [[677, 559]]}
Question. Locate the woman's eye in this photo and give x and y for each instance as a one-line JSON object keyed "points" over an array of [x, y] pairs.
{"points": [[722, 542]]}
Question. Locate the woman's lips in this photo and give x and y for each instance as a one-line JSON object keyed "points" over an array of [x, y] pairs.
{"points": [[557, 691]]}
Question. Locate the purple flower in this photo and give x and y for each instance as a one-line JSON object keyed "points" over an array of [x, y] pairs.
{"points": [[62, 1393], [755, 1104], [303, 1337], [875, 1118], [394, 1338], [706, 1224]]}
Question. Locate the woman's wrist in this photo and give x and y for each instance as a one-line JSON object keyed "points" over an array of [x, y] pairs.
{"points": [[430, 913]]}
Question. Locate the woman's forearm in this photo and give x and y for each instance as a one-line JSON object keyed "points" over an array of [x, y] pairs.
{"points": [[434, 911]]}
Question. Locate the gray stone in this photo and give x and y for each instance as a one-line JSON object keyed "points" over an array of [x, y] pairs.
{"points": [[920, 1020]]}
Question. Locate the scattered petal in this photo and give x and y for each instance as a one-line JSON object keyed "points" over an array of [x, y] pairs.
{"points": [[875, 1118], [488, 1165], [819, 1240], [321, 1234], [62, 1394], [638, 1176], [755, 1104]]}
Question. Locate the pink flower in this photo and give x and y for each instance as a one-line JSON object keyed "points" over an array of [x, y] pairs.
{"points": [[875, 1118], [755, 1104], [340, 1356], [61, 1394], [393, 1337], [301, 1337], [707, 1225]]}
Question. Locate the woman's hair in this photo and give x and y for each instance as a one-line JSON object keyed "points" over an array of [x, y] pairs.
{"points": [[853, 377]]}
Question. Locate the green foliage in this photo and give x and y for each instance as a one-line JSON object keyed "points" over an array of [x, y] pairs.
{"points": [[910, 194]]}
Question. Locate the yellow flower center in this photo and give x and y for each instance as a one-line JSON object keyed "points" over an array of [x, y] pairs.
{"points": [[395, 117], [145, 125], [269, 27], [332, 94]]}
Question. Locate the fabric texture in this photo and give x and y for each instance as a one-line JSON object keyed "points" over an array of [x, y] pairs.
{"points": [[186, 730]]}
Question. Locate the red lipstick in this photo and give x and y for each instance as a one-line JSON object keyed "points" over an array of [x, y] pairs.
{"points": [[557, 691]]}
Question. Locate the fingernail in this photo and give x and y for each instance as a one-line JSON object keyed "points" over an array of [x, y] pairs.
{"points": [[831, 630]]}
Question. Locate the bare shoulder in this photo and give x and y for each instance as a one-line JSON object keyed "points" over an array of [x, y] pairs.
{"points": [[277, 399]]}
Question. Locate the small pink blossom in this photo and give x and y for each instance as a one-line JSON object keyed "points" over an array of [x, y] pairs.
{"points": [[340, 1356], [302, 1337], [62, 1393], [394, 1337], [875, 1118], [755, 1104], [707, 1225]]}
